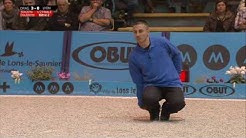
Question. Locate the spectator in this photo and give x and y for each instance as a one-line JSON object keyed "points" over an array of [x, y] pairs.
{"points": [[10, 16], [95, 17], [41, 2], [196, 6], [1, 5], [18, 3], [240, 20], [221, 19], [75, 6], [34, 23], [124, 10], [51, 3], [172, 6], [148, 7], [241, 5], [185, 6], [1, 18], [63, 19]]}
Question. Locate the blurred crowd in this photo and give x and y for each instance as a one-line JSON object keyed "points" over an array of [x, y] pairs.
{"points": [[101, 15]]}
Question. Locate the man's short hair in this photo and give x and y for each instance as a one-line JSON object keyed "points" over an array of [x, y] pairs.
{"points": [[141, 22], [62, 1]]}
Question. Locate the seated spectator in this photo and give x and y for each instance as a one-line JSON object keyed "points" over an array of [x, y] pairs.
{"points": [[34, 23], [197, 6], [221, 19], [75, 6], [51, 3], [148, 7], [240, 21], [185, 6], [18, 3], [10, 16], [124, 9], [174, 4], [95, 17], [63, 19], [1, 18], [1, 5]]}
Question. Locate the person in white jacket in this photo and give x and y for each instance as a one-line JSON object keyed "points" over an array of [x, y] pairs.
{"points": [[1, 21], [240, 20]]}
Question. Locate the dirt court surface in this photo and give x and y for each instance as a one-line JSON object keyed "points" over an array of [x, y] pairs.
{"points": [[112, 117]]}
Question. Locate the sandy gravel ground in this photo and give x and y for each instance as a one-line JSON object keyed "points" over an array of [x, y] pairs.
{"points": [[111, 117]]}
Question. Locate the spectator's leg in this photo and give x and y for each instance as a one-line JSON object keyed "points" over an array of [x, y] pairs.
{"points": [[184, 6], [131, 8], [171, 6], [149, 8]]}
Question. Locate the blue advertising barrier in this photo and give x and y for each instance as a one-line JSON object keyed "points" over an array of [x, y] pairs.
{"points": [[20, 50], [104, 88], [211, 54], [103, 57]]}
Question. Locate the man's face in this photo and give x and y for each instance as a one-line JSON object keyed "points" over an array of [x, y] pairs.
{"points": [[29, 2], [62, 6], [99, 2], [8, 5], [141, 33], [221, 7]]}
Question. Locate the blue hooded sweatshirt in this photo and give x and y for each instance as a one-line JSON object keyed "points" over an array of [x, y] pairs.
{"points": [[160, 65]]}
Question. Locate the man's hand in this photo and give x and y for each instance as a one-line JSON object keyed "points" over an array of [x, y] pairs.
{"points": [[242, 26]]}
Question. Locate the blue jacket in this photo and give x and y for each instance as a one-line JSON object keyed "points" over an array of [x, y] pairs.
{"points": [[160, 65]]}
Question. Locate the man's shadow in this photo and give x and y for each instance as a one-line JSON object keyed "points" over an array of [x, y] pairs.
{"points": [[173, 119]]}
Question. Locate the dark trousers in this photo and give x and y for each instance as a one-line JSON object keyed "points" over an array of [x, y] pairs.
{"points": [[174, 99]]}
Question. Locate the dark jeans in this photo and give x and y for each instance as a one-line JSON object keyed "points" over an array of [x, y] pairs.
{"points": [[174, 97]]}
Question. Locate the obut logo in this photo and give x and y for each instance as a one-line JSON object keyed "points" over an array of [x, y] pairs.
{"points": [[104, 55], [217, 90]]}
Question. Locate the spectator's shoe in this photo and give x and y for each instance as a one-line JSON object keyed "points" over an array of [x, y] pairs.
{"points": [[154, 116], [164, 116]]}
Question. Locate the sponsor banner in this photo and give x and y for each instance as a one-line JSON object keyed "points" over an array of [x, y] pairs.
{"points": [[102, 56], [9, 87], [21, 51], [113, 88], [207, 90], [128, 89], [223, 91], [211, 54]]}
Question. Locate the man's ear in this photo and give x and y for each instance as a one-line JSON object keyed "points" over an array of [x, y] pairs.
{"points": [[148, 30]]}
